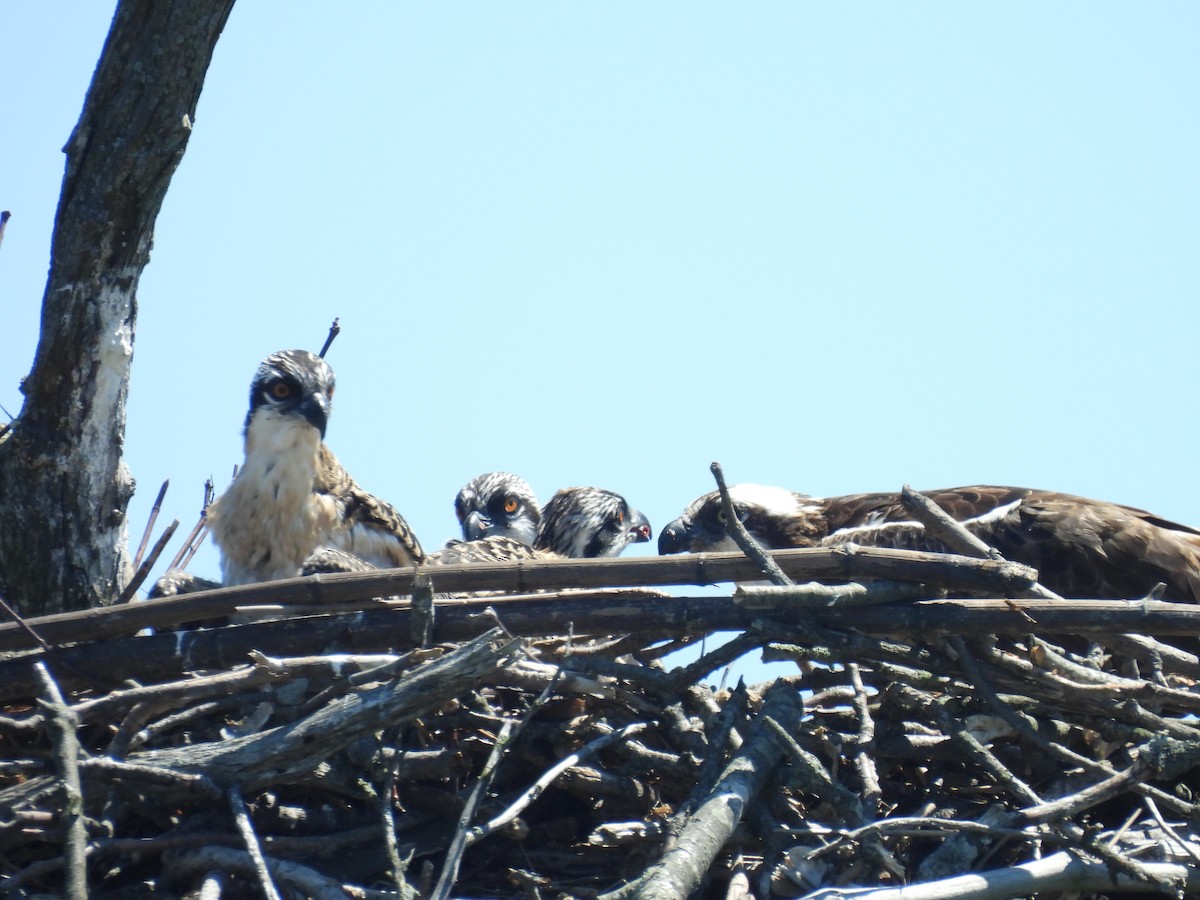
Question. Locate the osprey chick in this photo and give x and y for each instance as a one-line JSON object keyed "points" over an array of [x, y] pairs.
{"points": [[291, 496], [1080, 547], [578, 522], [498, 504]]}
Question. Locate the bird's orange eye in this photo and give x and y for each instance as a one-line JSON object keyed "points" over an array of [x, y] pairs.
{"points": [[510, 504], [281, 390], [620, 517]]}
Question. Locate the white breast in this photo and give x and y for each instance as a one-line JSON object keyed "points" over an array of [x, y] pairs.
{"points": [[269, 520]]}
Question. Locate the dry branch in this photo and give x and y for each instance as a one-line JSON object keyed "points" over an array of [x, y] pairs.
{"points": [[893, 759], [844, 563]]}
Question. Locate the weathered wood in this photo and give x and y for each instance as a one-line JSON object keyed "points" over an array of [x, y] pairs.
{"points": [[846, 563], [381, 630], [63, 540]]}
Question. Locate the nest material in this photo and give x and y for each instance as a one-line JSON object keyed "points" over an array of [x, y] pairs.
{"points": [[553, 767]]}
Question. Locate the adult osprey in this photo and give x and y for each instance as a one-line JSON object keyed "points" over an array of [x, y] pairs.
{"points": [[291, 496], [1080, 547], [498, 504], [578, 522]]}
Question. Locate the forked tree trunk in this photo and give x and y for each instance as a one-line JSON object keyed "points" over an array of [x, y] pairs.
{"points": [[64, 489]]}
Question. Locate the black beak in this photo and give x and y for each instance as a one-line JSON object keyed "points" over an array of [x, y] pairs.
{"points": [[673, 539], [315, 409], [475, 526]]}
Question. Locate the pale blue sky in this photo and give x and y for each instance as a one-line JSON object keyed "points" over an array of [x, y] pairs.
{"points": [[837, 250]]}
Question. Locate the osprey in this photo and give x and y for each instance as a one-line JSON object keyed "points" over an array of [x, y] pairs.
{"points": [[1080, 547], [578, 522], [498, 504], [291, 496]]}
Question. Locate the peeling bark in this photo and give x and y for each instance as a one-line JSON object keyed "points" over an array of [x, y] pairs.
{"points": [[64, 489]]}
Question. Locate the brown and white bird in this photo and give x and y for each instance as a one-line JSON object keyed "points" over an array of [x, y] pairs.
{"points": [[498, 504], [291, 496], [1080, 547], [578, 522]]}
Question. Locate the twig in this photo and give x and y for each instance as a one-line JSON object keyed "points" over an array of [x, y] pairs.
{"points": [[864, 745], [63, 725], [459, 845], [1062, 871], [940, 524], [421, 623], [742, 537], [154, 510], [682, 867], [1188, 847], [535, 790], [334, 330], [196, 536], [246, 828], [144, 569], [399, 865]]}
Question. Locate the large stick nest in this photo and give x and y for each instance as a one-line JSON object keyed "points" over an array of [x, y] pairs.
{"points": [[938, 722]]}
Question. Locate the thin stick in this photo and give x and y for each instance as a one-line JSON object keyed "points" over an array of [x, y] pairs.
{"points": [[458, 846], [742, 537], [334, 330], [535, 790], [154, 510], [144, 569], [242, 817], [940, 524], [196, 536], [63, 724]]}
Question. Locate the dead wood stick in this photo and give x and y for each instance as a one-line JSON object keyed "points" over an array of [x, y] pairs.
{"points": [[1073, 804], [196, 536], [943, 526], [682, 868], [163, 656], [62, 725], [1061, 871], [399, 864], [303, 880], [143, 571], [813, 594], [864, 744], [845, 562], [535, 790], [458, 845], [245, 827], [292, 750], [742, 537], [154, 511], [1038, 741], [1188, 847]]}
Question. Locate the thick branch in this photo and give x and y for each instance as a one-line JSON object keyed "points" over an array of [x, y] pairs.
{"points": [[62, 524]]}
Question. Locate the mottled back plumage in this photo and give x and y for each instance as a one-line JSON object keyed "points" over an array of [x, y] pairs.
{"points": [[1080, 547]]}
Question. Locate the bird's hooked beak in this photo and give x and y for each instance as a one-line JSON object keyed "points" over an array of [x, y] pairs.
{"points": [[639, 527], [675, 538], [315, 410], [475, 526]]}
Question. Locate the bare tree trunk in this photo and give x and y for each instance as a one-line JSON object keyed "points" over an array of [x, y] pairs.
{"points": [[64, 489]]}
